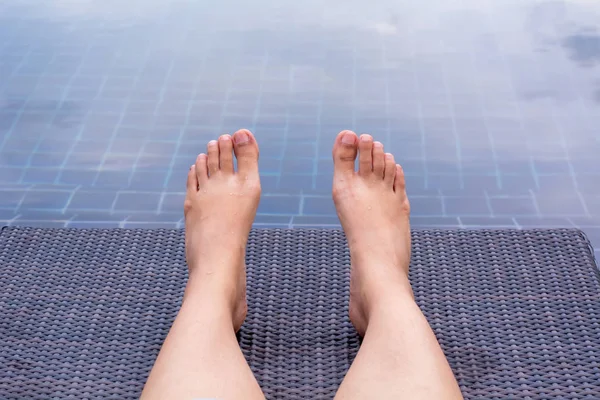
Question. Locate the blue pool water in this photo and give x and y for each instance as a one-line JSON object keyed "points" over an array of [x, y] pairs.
{"points": [[493, 108]]}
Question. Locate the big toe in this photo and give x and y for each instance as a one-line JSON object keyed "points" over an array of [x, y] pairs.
{"points": [[245, 148], [344, 152]]}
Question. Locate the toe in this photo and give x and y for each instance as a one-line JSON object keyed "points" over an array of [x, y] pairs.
{"points": [[378, 160], [365, 155], [201, 168], [344, 152], [212, 148], [390, 169], [192, 180], [399, 182], [246, 151], [226, 154]]}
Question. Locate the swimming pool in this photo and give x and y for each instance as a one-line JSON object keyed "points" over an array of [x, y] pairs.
{"points": [[493, 108]]}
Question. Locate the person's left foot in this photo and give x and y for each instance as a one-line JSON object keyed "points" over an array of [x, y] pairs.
{"points": [[220, 207]]}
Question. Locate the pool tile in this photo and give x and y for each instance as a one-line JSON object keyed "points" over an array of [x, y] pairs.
{"points": [[318, 206], [426, 206], [288, 205], [92, 200], [128, 201], [514, 206], [466, 206], [45, 199]]}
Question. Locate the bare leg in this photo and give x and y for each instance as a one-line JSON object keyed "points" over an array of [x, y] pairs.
{"points": [[400, 357], [201, 357]]}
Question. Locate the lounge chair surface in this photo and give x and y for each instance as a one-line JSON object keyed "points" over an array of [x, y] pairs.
{"points": [[84, 312]]}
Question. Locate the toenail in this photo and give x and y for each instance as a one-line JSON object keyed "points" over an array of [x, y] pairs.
{"points": [[389, 156], [241, 137], [378, 144], [225, 137], [365, 138], [348, 138], [212, 143]]}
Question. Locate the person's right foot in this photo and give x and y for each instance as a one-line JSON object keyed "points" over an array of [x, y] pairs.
{"points": [[219, 208], [374, 211]]}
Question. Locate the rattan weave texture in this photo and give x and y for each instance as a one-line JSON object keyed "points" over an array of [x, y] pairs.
{"points": [[84, 312]]}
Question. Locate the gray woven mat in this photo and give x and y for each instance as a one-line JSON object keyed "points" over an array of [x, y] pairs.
{"points": [[84, 312]]}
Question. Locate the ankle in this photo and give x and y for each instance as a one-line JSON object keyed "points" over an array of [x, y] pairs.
{"points": [[210, 291], [389, 259], [387, 295], [218, 258], [368, 302]]}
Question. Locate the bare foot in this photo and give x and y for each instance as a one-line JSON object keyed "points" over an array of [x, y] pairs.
{"points": [[220, 207], [374, 211]]}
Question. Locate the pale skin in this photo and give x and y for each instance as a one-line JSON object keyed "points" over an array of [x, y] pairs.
{"points": [[400, 357]]}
